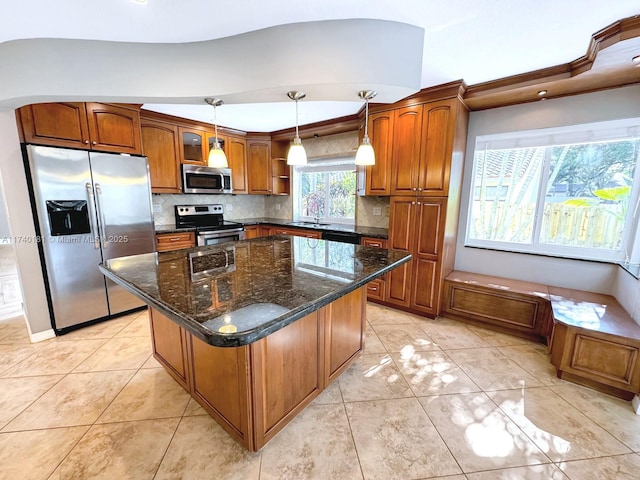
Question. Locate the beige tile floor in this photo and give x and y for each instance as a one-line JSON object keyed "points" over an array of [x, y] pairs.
{"points": [[427, 399]]}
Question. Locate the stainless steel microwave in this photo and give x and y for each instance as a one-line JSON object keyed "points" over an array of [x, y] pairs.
{"points": [[198, 179]]}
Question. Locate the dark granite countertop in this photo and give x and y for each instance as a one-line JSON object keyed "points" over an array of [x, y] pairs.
{"points": [[374, 232], [249, 288]]}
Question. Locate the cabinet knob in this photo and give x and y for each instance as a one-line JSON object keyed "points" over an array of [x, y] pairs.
{"points": [[419, 189], [86, 142], [414, 189], [419, 203], [94, 142], [413, 203]]}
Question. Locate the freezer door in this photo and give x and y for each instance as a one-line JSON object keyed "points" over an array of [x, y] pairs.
{"points": [[63, 194], [123, 199]]}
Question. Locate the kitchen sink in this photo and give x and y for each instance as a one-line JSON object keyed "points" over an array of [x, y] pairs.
{"points": [[308, 224]]}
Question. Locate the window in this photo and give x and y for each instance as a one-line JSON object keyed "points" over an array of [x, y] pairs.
{"points": [[568, 191], [325, 190]]}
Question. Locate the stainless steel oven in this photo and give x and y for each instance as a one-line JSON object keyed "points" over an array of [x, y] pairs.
{"points": [[213, 237]]}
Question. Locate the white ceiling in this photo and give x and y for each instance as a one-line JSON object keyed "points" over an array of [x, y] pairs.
{"points": [[474, 40]]}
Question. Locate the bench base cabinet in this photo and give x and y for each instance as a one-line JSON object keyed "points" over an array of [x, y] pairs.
{"points": [[253, 391], [600, 361], [511, 312]]}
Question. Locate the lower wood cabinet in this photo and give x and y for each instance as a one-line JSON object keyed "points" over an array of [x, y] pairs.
{"points": [[417, 226], [254, 390], [170, 346], [376, 289], [174, 241], [252, 231]]}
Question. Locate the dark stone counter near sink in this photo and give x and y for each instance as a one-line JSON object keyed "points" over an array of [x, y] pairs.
{"points": [[234, 294]]}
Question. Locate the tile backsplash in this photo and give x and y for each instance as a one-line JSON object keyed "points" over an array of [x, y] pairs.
{"points": [[257, 206], [235, 206]]}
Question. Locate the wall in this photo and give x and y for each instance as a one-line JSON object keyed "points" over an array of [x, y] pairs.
{"points": [[20, 220], [583, 275]]}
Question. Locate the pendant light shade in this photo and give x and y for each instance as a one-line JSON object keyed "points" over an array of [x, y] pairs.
{"points": [[365, 154], [297, 154], [217, 158]]}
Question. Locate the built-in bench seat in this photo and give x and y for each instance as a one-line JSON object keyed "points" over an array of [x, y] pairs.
{"points": [[592, 340], [510, 306], [595, 342]]}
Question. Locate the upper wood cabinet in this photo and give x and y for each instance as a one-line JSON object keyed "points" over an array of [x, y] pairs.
{"points": [[236, 151], [438, 147], [259, 166], [193, 145], [376, 179], [406, 167], [161, 143], [95, 126]]}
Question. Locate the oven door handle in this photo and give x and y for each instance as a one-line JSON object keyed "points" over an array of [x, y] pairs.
{"points": [[220, 233]]}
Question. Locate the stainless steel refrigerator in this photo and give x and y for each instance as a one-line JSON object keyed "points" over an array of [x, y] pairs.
{"points": [[88, 207]]}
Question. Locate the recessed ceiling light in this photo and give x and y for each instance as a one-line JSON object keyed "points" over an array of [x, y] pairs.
{"points": [[542, 93], [140, 2], [636, 59]]}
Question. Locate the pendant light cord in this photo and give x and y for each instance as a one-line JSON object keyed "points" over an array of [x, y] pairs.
{"points": [[366, 117], [215, 123], [297, 135]]}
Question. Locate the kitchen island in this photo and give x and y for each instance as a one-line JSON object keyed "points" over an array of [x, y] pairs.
{"points": [[255, 330]]}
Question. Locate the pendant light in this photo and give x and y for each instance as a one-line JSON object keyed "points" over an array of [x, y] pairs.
{"points": [[297, 154], [365, 154], [217, 158]]}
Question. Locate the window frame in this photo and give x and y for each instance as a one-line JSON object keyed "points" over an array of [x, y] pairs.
{"points": [[630, 241], [340, 164]]}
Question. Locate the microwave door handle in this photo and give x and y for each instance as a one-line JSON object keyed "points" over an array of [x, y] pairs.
{"points": [[92, 216]]}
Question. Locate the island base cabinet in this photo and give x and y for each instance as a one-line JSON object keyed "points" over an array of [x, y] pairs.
{"points": [[286, 373], [170, 347], [254, 391], [220, 383]]}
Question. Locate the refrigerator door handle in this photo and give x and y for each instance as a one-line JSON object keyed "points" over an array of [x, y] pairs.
{"points": [[92, 217], [102, 217]]}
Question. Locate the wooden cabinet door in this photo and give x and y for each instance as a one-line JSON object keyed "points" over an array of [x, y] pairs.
{"points": [[221, 383], [192, 146], [438, 131], [252, 232], [401, 237], [236, 150], [57, 124], [378, 176], [287, 374], [259, 166], [406, 150], [343, 334], [114, 129], [170, 346], [430, 220], [160, 143]]}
